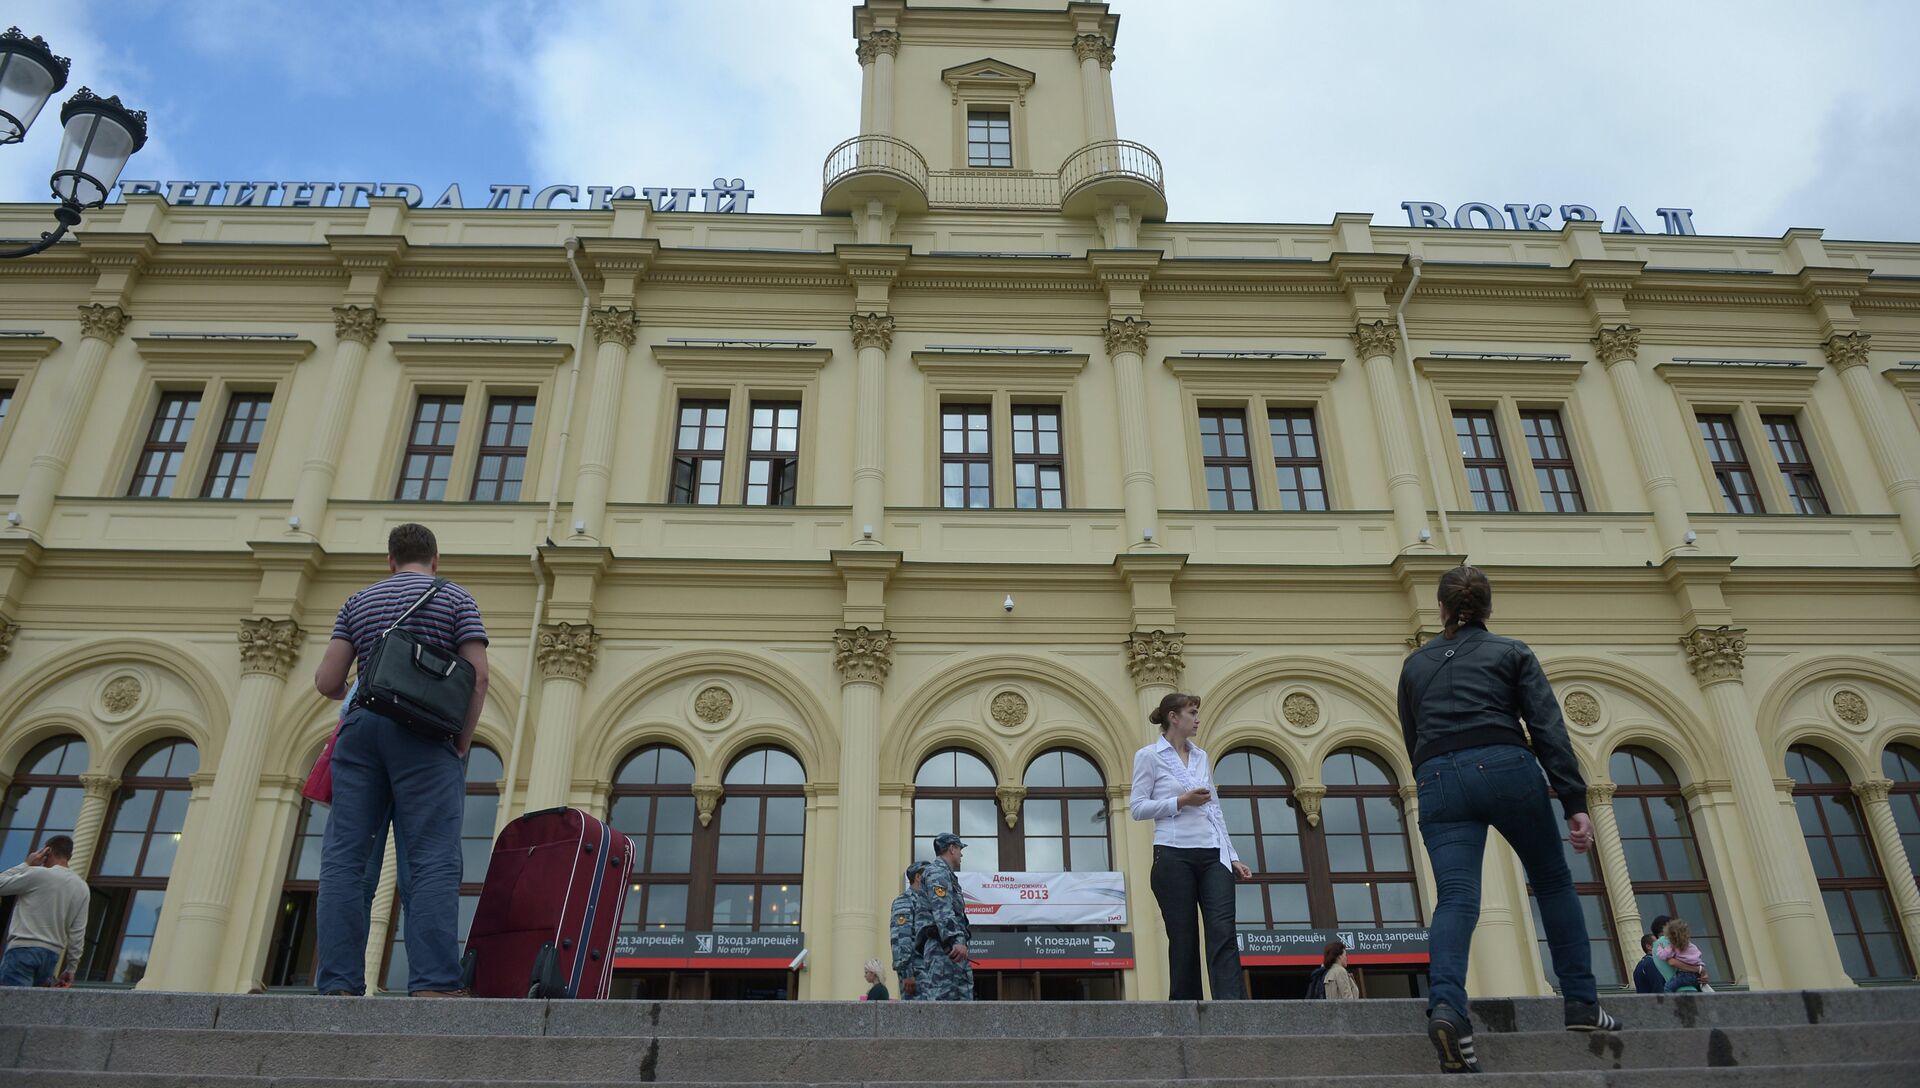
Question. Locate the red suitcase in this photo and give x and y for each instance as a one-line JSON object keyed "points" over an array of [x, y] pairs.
{"points": [[548, 912]]}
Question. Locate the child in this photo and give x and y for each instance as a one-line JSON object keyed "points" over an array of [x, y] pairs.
{"points": [[1681, 954]]}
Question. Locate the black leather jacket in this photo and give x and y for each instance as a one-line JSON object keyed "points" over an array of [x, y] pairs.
{"points": [[1475, 689]]}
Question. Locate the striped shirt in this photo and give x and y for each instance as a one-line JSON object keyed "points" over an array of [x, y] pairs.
{"points": [[449, 621]]}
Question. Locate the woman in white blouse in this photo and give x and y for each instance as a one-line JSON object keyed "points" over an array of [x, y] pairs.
{"points": [[1194, 863]]}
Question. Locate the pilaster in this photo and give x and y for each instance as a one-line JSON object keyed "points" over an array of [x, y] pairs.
{"points": [[863, 656], [1850, 355], [567, 654], [1874, 794]]}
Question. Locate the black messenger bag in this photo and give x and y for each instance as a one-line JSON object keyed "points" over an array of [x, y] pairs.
{"points": [[424, 688]]}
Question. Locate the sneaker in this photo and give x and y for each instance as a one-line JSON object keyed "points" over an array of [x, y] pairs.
{"points": [[1589, 1016], [1452, 1035]]}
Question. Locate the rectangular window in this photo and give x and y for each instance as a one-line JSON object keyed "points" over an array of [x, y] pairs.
{"points": [[503, 450], [773, 453], [966, 457], [1796, 467], [1552, 462], [166, 445], [1225, 457], [6, 402], [239, 444], [429, 456], [989, 138], [699, 452], [1296, 459], [1039, 468], [1486, 465], [1738, 489]]}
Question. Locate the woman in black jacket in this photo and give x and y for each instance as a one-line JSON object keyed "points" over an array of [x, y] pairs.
{"points": [[1463, 697]]}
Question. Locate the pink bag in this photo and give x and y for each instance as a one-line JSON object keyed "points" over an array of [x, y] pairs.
{"points": [[319, 785]]}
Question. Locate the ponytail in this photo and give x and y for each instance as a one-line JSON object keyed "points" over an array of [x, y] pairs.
{"points": [[1467, 597]]}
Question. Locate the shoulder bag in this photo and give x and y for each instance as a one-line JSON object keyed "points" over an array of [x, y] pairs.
{"points": [[424, 688]]}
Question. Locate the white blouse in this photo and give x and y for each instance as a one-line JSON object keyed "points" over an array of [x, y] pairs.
{"points": [[1159, 780]]}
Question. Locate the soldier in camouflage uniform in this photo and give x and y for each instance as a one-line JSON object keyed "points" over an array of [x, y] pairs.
{"points": [[909, 918], [946, 972]]}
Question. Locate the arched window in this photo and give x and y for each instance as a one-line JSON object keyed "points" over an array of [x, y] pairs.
{"points": [[1063, 821], [130, 874], [1365, 830], [653, 805], [292, 961], [763, 823], [953, 791], [1663, 858], [1864, 926], [1258, 802], [43, 800], [481, 809], [1901, 763], [1595, 912]]}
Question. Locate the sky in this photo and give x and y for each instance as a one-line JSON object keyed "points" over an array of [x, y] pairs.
{"points": [[1758, 115]]}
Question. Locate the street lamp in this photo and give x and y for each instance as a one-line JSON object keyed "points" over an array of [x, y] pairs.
{"points": [[98, 134]]}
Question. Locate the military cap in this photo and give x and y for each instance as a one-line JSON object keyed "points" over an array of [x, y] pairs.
{"points": [[945, 840]]}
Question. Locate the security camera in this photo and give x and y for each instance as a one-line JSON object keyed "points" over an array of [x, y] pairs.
{"points": [[13, 517], [1008, 603], [1426, 535], [1146, 534], [293, 521], [1690, 537], [866, 531], [579, 525]]}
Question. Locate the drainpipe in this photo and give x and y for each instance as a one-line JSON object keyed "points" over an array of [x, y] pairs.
{"points": [[1420, 412], [539, 568]]}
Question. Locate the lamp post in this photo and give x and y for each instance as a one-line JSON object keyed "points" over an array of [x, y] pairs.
{"points": [[98, 134]]}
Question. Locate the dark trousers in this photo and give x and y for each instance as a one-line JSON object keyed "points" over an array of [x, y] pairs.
{"points": [[1461, 795], [1185, 879]]}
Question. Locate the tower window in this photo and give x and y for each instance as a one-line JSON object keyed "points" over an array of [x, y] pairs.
{"points": [[989, 138]]}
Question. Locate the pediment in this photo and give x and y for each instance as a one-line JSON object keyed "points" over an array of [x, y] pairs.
{"points": [[988, 72]]}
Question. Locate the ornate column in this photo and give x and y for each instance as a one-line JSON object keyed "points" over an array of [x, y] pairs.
{"points": [[881, 47], [99, 790], [268, 648], [863, 657], [1618, 348], [567, 653], [380, 920], [1613, 870], [1873, 794], [100, 326], [1377, 342], [1095, 53], [1849, 354], [1127, 347], [1803, 948], [1155, 659], [872, 337], [614, 328], [354, 328]]}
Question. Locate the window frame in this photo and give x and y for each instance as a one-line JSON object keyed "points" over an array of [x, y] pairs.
{"points": [[1002, 382], [450, 450], [1840, 791], [740, 375], [645, 879], [698, 456], [1063, 796], [1041, 462], [760, 876], [220, 370], [1904, 791], [989, 84], [1006, 842], [967, 409], [106, 917], [1666, 887], [24, 782], [222, 446], [774, 458], [514, 403], [1481, 461], [1509, 387], [1567, 464], [1710, 437], [989, 116], [1227, 462], [1795, 473], [475, 372], [1747, 392], [1260, 388], [189, 402], [1296, 462]]}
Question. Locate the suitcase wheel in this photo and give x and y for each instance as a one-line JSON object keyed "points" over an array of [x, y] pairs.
{"points": [[544, 980], [466, 970]]}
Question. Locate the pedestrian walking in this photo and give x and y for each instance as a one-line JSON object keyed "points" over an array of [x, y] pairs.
{"points": [[876, 985], [1463, 697], [1339, 983], [946, 967]]}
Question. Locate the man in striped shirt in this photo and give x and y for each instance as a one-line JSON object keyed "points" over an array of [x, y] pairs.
{"points": [[380, 767]]}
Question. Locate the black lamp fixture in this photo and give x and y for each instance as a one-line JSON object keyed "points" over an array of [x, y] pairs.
{"points": [[98, 134]]}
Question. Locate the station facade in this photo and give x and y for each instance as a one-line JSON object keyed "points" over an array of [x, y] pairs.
{"points": [[802, 538]]}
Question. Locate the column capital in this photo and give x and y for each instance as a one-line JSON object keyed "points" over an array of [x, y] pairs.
{"points": [[568, 651], [1873, 791], [8, 629], [1011, 798], [872, 330], [357, 323], [706, 799], [1093, 47], [1715, 654], [1847, 349], [102, 322], [99, 786], [269, 646], [1308, 796], [1410, 793], [1375, 338], [1601, 792], [1127, 334], [1156, 657], [876, 43], [614, 324], [863, 655], [1617, 344]]}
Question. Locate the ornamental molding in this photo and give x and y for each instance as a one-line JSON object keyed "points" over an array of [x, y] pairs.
{"points": [[1847, 349], [1156, 658], [1009, 709], [706, 799], [614, 324], [1715, 654], [8, 629], [1308, 798], [568, 651], [1617, 344], [713, 704], [1850, 707], [1583, 709], [1601, 792], [1088, 47], [1376, 338], [1163, 285], [876, 43], [1709, 298], [102, 322], [1126, 334], [359, 324], [1011, 798], [121, 695], [269, 646], [99, 787], [1410, 794], [863, 655], [1873, 791], [1300, 709], [871, 330]]}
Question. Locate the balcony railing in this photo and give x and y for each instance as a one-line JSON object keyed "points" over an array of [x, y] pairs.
{"points": [[994, 189], [871, 155], [1110, 160]]}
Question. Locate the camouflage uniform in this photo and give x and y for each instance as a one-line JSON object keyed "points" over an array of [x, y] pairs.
{"points": [[907, 917], [941, 979]]}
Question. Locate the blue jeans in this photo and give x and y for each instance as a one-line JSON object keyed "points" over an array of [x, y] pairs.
{"points": [[25, 965], [1461, 795], [1683, 980], [380, 768]]}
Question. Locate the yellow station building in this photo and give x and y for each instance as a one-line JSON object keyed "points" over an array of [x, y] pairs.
{"points": [[804, 537]]}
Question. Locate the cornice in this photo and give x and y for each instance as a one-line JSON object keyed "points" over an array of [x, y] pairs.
{"points": [[968, 283], [740, 361], [1306, 374], [19, 350], [1502, 372], [205, 351], [1720, 379], [1051, 370], [433, 353]]}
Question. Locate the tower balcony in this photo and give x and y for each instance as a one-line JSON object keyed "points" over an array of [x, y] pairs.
{"points": [[1113, 172], [874, 167]]}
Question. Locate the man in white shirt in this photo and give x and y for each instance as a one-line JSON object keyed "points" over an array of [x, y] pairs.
{"points": [[49, 917]]}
